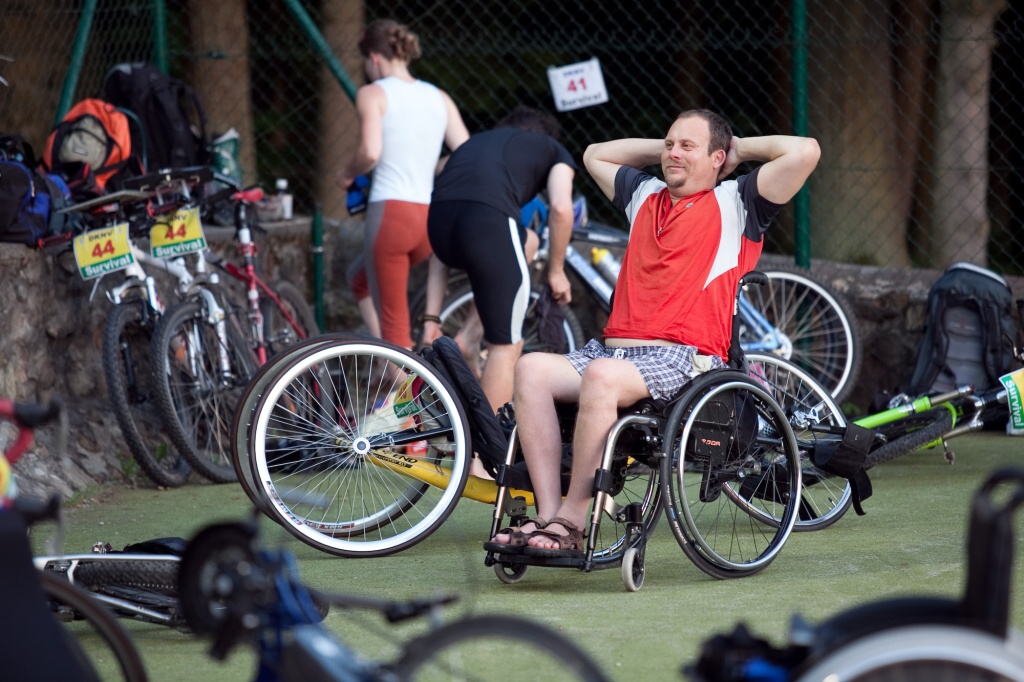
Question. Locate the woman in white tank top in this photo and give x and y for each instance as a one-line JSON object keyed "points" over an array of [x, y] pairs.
{"points": [[404, 123]]}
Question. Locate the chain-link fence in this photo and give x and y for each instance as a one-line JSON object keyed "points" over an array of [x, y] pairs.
{"points": [[915, 102]]}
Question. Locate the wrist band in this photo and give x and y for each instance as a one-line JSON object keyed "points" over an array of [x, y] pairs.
{"points": [[430, 318]]}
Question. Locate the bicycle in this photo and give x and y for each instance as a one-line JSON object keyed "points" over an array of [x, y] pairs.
{"points": [[26, 589], [795, 317], [206, 347], [910, 638], [233, 590]]}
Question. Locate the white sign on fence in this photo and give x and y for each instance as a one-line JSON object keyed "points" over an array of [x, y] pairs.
{"points": [[577, 85]]}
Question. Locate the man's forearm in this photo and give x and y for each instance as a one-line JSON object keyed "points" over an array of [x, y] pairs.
{"points": [[768, 147], [634, 151]]}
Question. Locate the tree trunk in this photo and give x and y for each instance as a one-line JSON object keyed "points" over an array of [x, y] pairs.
{"points": [[220, 37], [343, 22], [861, 188], [961, 221]]}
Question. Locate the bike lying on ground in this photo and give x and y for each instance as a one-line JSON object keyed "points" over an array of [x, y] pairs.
{"points": [[235, 591]]}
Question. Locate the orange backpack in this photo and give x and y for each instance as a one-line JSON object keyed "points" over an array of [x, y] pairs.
{"points": [[90, 146]]}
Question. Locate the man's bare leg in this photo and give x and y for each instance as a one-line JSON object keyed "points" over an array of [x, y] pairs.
{"points": [[368, 311], [607, 384], [496, 378]]}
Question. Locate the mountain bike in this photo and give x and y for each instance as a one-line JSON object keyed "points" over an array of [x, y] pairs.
{"points": [[235, 591], [795, 317], [34, 600], [207, 347]]}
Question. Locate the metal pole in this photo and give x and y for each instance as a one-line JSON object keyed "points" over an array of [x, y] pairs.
{"points": [[317, 247], [802, 201], [160, 35], [77, 57], [323, 48]]}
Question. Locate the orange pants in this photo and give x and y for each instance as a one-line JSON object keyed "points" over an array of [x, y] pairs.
{"points": [[396, 239]]}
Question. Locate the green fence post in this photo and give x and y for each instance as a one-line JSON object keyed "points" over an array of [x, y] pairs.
{"points": [[160, 35], [802, 201], [77, 57], [323, 48], [317, 248]]}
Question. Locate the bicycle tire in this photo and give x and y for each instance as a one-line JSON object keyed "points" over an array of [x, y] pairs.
{"points": [[909, 434], [196, 398], [59, 591], [455, 308], [153, 574], [127, 338], [278, 334], [551, 654], [822, 329]]}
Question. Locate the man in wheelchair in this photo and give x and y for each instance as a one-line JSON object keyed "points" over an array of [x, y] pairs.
{"points": [[691, 239]]}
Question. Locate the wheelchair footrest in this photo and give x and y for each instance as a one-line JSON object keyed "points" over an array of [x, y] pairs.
{"points": [[549, 562]]}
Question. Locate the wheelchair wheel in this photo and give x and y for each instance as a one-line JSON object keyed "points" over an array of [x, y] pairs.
{"points": [[824, 498], [633, 569], [359, 448], [732, 477], [924, 653]]}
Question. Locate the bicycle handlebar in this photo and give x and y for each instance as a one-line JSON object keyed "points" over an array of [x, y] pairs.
{"points": [[27, 417]]}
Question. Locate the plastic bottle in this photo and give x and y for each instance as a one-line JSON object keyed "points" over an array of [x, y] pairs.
{"points": [[586, 271], [285, 198], [357, 195], [606, 263]]}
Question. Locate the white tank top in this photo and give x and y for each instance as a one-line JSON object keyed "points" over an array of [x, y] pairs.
{"points": [[414, 124]]}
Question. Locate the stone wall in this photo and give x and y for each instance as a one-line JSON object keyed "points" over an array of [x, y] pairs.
{"points": [[52, 336]]}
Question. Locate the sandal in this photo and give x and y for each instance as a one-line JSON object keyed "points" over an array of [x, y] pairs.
{"points": [[570, 545], [517, 539]]}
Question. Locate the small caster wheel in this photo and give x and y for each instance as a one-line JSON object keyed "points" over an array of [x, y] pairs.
{"points": [[510, 574], [633, 569]]}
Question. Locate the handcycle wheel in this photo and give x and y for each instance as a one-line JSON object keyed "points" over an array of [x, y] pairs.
{"points": [[214, 552], [727, 431], [910, 433], [278, 333], [199, 379], [244, 418], [118, 654], [475, 648], [127, 337], [824, 498], [380, 465], [822, 331]]}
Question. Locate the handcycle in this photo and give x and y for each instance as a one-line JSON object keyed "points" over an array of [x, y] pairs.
{"points": [[906, 638], [795, 317], [234, 590], [358, 465], [35, 600]]}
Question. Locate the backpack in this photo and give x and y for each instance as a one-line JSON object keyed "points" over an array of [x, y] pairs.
{"points": [[172, 118], [968, 338], [91, 147], [29, 206]]}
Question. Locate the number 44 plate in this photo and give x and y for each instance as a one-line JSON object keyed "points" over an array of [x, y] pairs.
{"points": [[181, 233], [1014, 385], [102, 251]]}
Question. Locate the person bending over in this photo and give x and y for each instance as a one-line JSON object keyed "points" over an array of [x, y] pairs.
{"points": [[473, 225], [691, 239]]}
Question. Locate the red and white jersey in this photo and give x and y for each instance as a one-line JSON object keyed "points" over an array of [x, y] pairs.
{"points": [[683, 262]]}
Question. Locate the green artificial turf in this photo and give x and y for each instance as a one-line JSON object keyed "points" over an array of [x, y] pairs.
{"points": [[910, 542]]}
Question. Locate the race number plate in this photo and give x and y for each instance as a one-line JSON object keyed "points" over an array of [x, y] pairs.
{"points": [[181, 233], [1014, 385], [102, 251]]}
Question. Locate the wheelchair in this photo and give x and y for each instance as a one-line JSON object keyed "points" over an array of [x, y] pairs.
{"points": [[361, 449]]}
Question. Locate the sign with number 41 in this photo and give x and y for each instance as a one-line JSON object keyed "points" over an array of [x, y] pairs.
{"points": [[577, 85]]}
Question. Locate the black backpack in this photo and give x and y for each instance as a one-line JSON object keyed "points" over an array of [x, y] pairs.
{"points": [[968, 338], [169, 111]]}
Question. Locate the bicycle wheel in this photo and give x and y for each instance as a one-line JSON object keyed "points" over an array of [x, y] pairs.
{"points": [[481, 647], [278, 332], [127, 336], [824, 498], [727, 431], [107, 645], [924, 653], [378, 459], [156, 574], [822, 336], [199, 376], [910, 433], [458, 305]]}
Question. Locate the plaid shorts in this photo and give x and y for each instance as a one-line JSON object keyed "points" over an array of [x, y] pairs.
{"points": [[665, 369]]}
